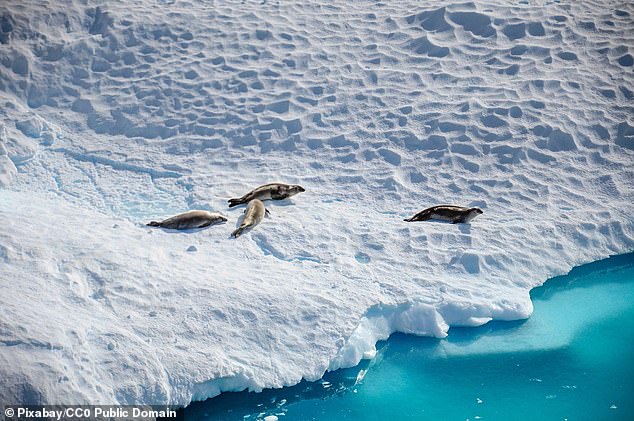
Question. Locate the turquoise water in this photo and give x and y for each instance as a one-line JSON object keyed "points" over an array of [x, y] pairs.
{"points": [[573, 359]]}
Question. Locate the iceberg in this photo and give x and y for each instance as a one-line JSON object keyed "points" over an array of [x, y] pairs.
{"points": [[117, 115]]}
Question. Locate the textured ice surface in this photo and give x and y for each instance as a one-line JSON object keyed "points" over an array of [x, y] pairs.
{"points": [[115, 115]]}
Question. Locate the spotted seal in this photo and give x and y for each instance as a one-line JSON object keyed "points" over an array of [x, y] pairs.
{"points": [[188, 220], [272, 191], [253, 215], [453, 214]]}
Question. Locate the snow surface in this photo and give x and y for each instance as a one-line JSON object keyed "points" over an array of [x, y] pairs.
{"points": [[116, 113]]}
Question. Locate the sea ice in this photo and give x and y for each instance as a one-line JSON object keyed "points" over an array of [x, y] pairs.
{"points": [[115, 115]]}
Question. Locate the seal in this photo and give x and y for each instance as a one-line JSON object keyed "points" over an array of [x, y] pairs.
{"points": [[453, 214], [272, 191], [253, 215], [188, 220]]}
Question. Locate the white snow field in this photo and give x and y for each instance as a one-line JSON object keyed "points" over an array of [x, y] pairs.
{"points": [[116, 113]]}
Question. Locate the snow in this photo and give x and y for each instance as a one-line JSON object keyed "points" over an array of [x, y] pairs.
{"points": [[115, 115]]}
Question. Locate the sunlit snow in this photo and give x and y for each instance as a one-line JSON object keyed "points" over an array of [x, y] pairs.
{"points": [[117, 113]]}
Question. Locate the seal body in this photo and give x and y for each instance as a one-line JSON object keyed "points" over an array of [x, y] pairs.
{"points": [[453, 214], [273, 191], [191, 219], [253, 215]]}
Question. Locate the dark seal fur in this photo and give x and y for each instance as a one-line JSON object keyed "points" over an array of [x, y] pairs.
{"points": [[453, 214], [272, 191]]}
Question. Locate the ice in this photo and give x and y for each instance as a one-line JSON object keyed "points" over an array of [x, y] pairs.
{"points": [[116, 115]]}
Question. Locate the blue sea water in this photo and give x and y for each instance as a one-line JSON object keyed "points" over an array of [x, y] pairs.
{"points": [[573, 359]]}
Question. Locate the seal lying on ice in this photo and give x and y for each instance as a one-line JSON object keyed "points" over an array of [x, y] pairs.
{"points": [[188, 220], [274, 191], [453, 214], [253, 215]]}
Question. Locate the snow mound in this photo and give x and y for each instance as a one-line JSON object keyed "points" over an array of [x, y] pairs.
{"points": [[115, 115]]}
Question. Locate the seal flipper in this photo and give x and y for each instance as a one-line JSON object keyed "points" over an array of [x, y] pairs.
{"points": [[153, 224], [235, 202], [415, 218], [237, 232], [423, 215]]}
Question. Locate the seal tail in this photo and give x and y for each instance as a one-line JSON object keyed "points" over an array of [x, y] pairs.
{"points": [[420, 216], [237, 232], [235, 202], [153, 224]]}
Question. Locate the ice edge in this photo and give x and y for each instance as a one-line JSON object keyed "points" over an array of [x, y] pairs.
{"points": [[378, 324]]}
